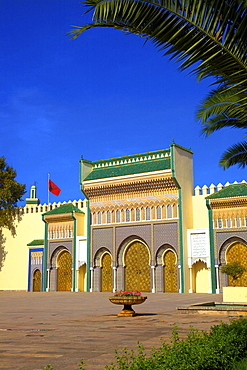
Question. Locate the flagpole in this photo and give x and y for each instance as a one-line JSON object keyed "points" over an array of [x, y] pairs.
{"points": [[48, 188]]}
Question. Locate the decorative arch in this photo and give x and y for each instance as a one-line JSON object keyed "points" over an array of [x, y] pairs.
{"points": [[97, 261], [237, 252], [54, 255], [125, 244], [136, 260], [64, 271], [106, 272], [199, 276], [226, 245], [167, 270], [204, 260], [102, 264], [37, 280], [160, 252]]}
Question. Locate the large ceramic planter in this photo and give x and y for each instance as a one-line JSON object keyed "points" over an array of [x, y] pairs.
{"points": [[235, 294], [127, 302]]}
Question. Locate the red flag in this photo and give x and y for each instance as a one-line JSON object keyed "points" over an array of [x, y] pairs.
{"points": [[53, 188]]}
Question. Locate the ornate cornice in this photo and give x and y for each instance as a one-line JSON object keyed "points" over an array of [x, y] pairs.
{"points": [[228, 203], [62, 217], [133, 186]]}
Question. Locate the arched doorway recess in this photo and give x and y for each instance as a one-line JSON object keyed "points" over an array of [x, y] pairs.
{"points": [[200, 277], [137, 268], [64, 271], [170, 272], [106, 273], [37, 281], [237, 252]]}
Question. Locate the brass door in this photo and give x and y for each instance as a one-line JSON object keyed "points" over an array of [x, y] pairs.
{"points": [[37, 281], [106, 273], [137, 269], [64, 273], [238, 253], [170, 272]]}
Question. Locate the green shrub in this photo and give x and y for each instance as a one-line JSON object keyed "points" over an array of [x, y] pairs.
{"points": [[223, 348], [218, 350], [240, 365]]}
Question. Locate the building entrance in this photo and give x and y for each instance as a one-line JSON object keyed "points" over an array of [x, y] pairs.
{"points": [[64, 271], [170, 272], [137, 268]]}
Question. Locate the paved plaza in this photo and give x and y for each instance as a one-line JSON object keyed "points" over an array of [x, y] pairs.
{"points": [[61, 328]]}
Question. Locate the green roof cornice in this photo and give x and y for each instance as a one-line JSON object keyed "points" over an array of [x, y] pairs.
{"points": [[36, 242], [65, 208], [183, 148], [130, 164], [231, 191], [153, 155]]}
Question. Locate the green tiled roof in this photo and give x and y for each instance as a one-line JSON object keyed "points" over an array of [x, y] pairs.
{"points": [[36, 242], [131, 164], [65, 208], [236, 190]]}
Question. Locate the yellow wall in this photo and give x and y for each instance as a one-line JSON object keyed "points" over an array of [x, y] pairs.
{"points": [[183, 166], [14, 270], [81, 230], [200, 212]]}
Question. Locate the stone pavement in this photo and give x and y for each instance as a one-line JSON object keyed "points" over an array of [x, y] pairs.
{"points": [[61, 328]]}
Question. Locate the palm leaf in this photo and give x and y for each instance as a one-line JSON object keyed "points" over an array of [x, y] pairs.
{"points": [[210, 35], [236, 154]]}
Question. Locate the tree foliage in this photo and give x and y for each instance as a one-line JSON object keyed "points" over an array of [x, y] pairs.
{"points": [[10, 193], [210, 35], [233, 269]]}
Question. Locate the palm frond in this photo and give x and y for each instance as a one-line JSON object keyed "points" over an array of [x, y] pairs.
{"points": [[210, 34], [230, 104], [235, 155]]}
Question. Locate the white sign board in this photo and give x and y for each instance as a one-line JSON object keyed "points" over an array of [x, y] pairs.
{"points": [[198, 245]]}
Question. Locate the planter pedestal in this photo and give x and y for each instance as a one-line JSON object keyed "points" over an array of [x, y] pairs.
{"points": [[235, 294], [127, 302]]}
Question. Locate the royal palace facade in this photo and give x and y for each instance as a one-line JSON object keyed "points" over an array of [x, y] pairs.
{"points": [[142, 226]]}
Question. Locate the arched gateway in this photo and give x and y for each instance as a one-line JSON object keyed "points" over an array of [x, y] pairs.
{"points": [[170, 272], [137, 268], [64, 271], [106, 273], [237, 252], [37, 281]]}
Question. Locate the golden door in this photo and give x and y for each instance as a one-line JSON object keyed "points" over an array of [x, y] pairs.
{"points": [[170, 272], [137, 269], [238, 253], [37, 281], [106, 273], [64, 273]]}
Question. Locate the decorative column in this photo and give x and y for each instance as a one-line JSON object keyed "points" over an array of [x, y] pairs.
{"points": [[191, 279], [91, 285], [77, 280], [114, 279], [48, 280], [180, 279], [209, 281], [153, 278], [217, 279]]}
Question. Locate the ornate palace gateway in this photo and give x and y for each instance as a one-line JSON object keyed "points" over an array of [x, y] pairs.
{"points": [[142, 227], [138, 224]]}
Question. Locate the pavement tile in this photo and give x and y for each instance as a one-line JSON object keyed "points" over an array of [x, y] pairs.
{"points": [[61, 328]]}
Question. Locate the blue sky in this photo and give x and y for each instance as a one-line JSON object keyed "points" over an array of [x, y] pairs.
{"points": [[102, 95]]}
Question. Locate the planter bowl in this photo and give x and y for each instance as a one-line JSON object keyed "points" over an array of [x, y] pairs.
{"points": [[127, 302]]}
